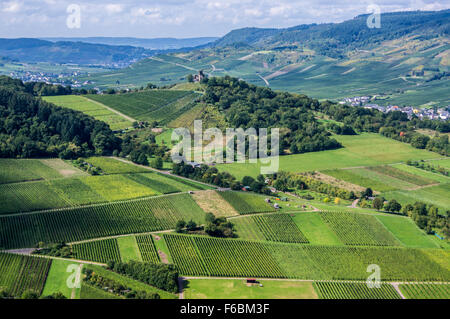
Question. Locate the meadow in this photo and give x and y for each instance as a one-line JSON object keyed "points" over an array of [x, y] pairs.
{"points": [[57, 279], [96, 110], [238, 289], [149, 105], [363, 150]]}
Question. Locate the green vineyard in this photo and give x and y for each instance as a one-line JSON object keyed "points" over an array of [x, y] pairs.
{"points": [[23, 273], [426, 291], [280, 228], [245, 203], [147, 248], [338, 290], [359, 229], [196, 255], [77, 224], [100, 251]]}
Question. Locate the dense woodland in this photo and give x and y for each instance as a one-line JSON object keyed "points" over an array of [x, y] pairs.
{"points": [[249, 106], [31, 127]]}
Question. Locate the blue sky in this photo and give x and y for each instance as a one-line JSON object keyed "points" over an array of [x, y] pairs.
{"points": [[181, 18]]}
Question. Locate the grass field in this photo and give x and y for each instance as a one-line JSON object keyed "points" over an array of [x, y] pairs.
{"points": [[57, 279], [96, 110], [238, 289], [362, 150], [92, 293], [150, 105], [436, 195], [405, 230], [211, 202], [21, 170], [128, 248], [315, 230], [436, 177]]}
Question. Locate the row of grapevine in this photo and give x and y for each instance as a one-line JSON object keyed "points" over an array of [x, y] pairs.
{"points": [[77, 224], [426, 291], [196, 255], [185, 255], [359, 229], [99, 251], [246, 203], [147, 248], [343, 290], [280, 228], [23, 273]]}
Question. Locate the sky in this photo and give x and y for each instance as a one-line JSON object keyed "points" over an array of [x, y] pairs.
{"points": [[179, 18]]}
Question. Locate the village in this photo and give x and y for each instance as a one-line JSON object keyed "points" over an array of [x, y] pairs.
{"points": [[422, 113]]}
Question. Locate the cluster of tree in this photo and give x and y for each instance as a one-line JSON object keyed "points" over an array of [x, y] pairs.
{"points": [[428, 217], [395, 125], [162, 276], [115, 287], [30, 294], [392, 206], [287, 181], [205, 174], [218, 227], [428, 167], [140, 152], [149, 86], [340, 129], [182, 226], [248, 106], [87, 167], [55, 250], [31, 127]]}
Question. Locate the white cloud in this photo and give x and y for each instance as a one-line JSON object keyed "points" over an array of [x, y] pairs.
{"points": [[114, 8], [12, 7]]}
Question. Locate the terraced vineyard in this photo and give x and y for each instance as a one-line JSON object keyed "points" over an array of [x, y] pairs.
{"points": [[245, 203], [337, 290], [150, 105], [100, 251], [147, 248], [23, 273], [77, 224], [113, 166], [247, 229], [426, 291], [185, 255], [359, 229], [279, 227]]}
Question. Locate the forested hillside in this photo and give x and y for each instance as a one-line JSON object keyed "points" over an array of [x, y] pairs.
{"points": [[31, 127]]}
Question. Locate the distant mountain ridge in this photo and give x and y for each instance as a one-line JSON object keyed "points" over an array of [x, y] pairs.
{"points": [[151, 43]]}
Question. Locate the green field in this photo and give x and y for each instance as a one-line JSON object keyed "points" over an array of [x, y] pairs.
{"points": [[92, 293], [436, 177], [363, 150], [436, 195], [146, 248], [21, 170], [58, 277], [238, 289], [279, 228], [359, 229], [315, 230], [128, 248], [425, 291], [150, 105], [246, 203], [96, 110], [77, 224], [333, 290], [405, 230], [202, 256]]}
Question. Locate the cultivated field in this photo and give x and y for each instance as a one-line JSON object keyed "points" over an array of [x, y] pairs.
{"points": [[246, 203]]}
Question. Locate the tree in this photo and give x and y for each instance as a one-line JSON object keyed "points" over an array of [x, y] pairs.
{"points": [[393, 206], [30, 294], [378, 203], [191, 225], [157, 162], [180, 226], [190, 78], [367, 193], [142, 159]]}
